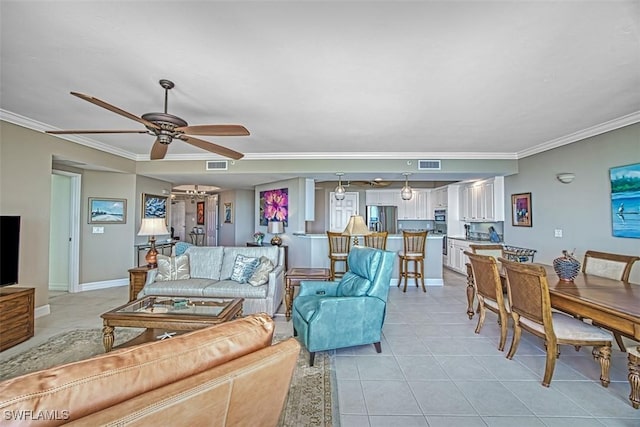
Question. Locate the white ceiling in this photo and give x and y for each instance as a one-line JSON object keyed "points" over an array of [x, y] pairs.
{"points": [[331, 79]]}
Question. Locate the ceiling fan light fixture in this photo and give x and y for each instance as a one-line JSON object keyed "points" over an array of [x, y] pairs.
{"points": [[339, 191], [406, 193]]}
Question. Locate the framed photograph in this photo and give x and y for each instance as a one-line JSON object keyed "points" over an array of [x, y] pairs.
{"points": [[521, 210], [274, 206], [200, 213], [107, 211], [154, 206], [228, 213], [625, 201]]}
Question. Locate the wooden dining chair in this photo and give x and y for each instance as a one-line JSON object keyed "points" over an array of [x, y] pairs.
{"points": [[530, 304], [488, 289], [377, 240], [612, 266], [339, 246], [413, 250], [496, 251]]}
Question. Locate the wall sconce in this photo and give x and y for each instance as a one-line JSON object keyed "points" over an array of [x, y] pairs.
{"points": [[276, 228], [339, 191], [565, 178], [406, 193]]}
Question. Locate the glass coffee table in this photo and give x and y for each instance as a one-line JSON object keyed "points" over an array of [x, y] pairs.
{"points": [[165, 316]]}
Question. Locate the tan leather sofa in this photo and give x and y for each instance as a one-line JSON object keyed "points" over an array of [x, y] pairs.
{"points": [[228, 374]]}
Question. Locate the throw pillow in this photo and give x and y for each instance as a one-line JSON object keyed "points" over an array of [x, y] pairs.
{"points": [[261, 275], [243, 268], [173, 268]]}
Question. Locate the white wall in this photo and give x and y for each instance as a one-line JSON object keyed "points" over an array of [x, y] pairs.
{"points": [[580, 209]]}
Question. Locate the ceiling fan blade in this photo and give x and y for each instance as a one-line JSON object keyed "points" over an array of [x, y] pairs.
{"points": [[215, 130], [115, 109], [158, 151], [214, 148], [62, 132]]}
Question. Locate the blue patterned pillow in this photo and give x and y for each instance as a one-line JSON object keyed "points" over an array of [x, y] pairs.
{"points": [[243, 268]]}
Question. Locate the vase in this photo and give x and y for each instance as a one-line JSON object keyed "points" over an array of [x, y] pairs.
{"points": [[566, 267], [259, 240]]}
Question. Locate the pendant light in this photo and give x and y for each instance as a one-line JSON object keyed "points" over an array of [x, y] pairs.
{"points": [[406, 193], [339, 191]]}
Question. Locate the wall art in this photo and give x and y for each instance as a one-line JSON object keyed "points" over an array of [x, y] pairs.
{"points": [[200, 213], [228, 213], [625, 201], [274, 206], [521, 210], [107, 211], [154, 206]]}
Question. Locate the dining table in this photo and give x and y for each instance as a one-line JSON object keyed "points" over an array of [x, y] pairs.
{"points": [[613, 304]]}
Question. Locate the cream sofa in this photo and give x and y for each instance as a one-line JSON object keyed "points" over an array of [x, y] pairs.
{"points": [[227, 374], [210, 269]]}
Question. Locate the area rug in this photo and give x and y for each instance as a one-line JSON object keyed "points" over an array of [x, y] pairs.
{"points": [[309, 402]]}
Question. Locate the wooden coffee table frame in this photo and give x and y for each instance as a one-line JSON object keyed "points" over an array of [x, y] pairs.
{"points": [[162, 322]]}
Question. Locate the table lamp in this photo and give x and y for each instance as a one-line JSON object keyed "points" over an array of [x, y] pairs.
{"points": [[356, 227], [152, 227], [276, 228]]}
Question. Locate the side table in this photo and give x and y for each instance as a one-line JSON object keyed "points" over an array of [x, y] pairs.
{"points": [[293, 277], [137, 279]]}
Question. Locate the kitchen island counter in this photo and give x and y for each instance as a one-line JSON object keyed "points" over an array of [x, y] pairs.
{"points": [[311, 250]]}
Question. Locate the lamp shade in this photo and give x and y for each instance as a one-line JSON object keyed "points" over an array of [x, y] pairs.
{"points": [[356, 227], [153, 227], [275, 227]]}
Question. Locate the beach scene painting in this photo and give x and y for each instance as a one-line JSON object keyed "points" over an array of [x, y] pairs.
{"points": [[625, 201], [107, 211]]}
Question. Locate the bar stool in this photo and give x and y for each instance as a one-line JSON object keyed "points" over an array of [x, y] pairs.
{"points": [[339, 246], [377, 240], [413, 250]]}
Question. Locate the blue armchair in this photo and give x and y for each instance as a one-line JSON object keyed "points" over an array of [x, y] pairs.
{"points": [[329, 315]]}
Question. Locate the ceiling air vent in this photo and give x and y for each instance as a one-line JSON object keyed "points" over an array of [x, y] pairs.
{"points": [[217, 165], [429, 165]]}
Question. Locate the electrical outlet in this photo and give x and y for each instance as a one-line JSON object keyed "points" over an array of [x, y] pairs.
{"points": [[98, 230], [557, 232]]}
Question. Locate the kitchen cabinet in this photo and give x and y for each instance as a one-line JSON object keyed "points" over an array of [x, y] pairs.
{"points": [[457, 258], [380, 197], [415, 208], [483, 201], [439, 198]]}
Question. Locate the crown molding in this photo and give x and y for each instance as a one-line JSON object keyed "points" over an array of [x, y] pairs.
{"points": [[614, 124], [37, 126]]}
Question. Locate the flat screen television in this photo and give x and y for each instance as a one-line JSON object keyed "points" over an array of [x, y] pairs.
{"points": [[9, 249]]}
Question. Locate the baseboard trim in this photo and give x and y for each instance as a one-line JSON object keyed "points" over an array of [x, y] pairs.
{"points": [[427, 282], [43, 310], [92, 286]]}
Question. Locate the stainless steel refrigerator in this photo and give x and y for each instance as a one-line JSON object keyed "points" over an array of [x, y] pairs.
{"points": [[382, 218]]}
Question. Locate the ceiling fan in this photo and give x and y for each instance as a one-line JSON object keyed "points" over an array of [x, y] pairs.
{"points": [[374, 183], [166, 127]]}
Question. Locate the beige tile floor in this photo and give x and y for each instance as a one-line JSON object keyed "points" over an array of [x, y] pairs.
{"points": [[433, 370]]}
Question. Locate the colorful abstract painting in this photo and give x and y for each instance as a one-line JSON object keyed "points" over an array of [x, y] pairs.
{"points": [[625, 201], [274, 206]]}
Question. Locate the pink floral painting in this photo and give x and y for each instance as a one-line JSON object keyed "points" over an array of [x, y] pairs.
{"points": [[274, 206]]}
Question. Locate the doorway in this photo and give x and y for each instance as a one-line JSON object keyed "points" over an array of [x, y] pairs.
{"points": [[64, 232], [341, 210]]}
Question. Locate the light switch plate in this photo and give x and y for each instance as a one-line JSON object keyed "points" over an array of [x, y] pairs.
{"points": [[557, 232], [98, 230]]}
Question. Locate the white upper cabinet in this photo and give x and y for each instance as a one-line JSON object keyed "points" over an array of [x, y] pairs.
{"points": [[416, 207], [439, 198], [483, 200], [380, 197]]}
